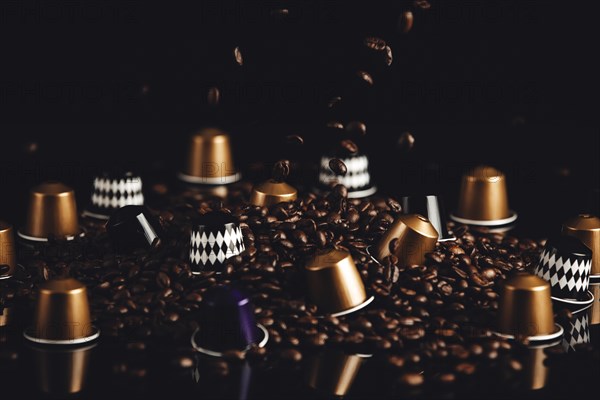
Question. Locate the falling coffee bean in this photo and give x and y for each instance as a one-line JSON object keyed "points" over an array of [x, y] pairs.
{"points": [[405, 22], [338, 167], [357, 127], [365, 76], [295, 139], [281, 170], [374, 43], [389, 56], [406, 141], [238, 56], [333, 101], [214, 96], [349, 146], [335, 125], [422, 4]]}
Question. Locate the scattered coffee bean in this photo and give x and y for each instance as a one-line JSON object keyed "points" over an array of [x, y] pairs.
{"points": [[338, 167]]}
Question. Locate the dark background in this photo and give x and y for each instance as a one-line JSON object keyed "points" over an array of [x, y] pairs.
{"points": [[86, 85]]}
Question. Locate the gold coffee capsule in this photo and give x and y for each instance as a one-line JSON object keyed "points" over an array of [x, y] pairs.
{"points": [[52, 213], [62, 314], [536, 372], [586, 228], [483, 199], [210, 160], [61, 372], [416, 237], [272, 192], [4, 316], [525, 309], [334, 283], [333, 372], [7, 250]]}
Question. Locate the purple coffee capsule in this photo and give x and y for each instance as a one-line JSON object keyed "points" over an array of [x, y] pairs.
{"points": [[432, 208], [134, 227], [227, 323], [216, 236]]}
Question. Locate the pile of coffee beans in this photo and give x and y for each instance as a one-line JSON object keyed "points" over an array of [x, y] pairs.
{"points": [[438, 316]]}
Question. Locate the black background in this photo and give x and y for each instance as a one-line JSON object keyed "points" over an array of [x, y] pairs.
{"points": [[509, 83]]}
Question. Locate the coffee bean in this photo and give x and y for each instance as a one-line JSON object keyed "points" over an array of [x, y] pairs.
{"points": [[335, 125], [281, 170], [411, 379], [366, 77], [374, 43], [349, 146], [238, 56], [357, 128], [422, 4], [214, 96], [465, 368], [405, 22], [338, 167], [406, 141], [162, 280], [394, 245], [295, 139], [389, 56], [333, 101], [291, 355]]}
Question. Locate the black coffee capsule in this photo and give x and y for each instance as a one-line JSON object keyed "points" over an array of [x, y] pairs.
{"points": [[216, 236], [113, 190], [134, 227]]}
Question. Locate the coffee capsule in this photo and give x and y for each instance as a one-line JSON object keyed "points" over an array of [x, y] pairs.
{"points": [[577, 331], [357, 179], [62, 314], [210, 159], [52, 213], [216, 236], [595, 309], [272, 192], [113, 191], [525, 310], [5, 316], [61, 372], [227, 323], [134, 227], [415, 236], [332, 372], [483, 199], [8, 259], [334, 284], [432, 208], [566, 263], [586, 228]]}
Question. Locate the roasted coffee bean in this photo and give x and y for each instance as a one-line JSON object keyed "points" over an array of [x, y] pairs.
{"points": [[335, 125], [406, 141], [405, 22], [162, 280], [238, 56], [295, 139], [374, 43], [422, 4], [394, 245], [411, 379], [349, 146], [213, 96], [333, 101], [338, 167], [291, 355], [281, 170], [465, 368], [357, 127], [389, 56], [366, 77]]}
